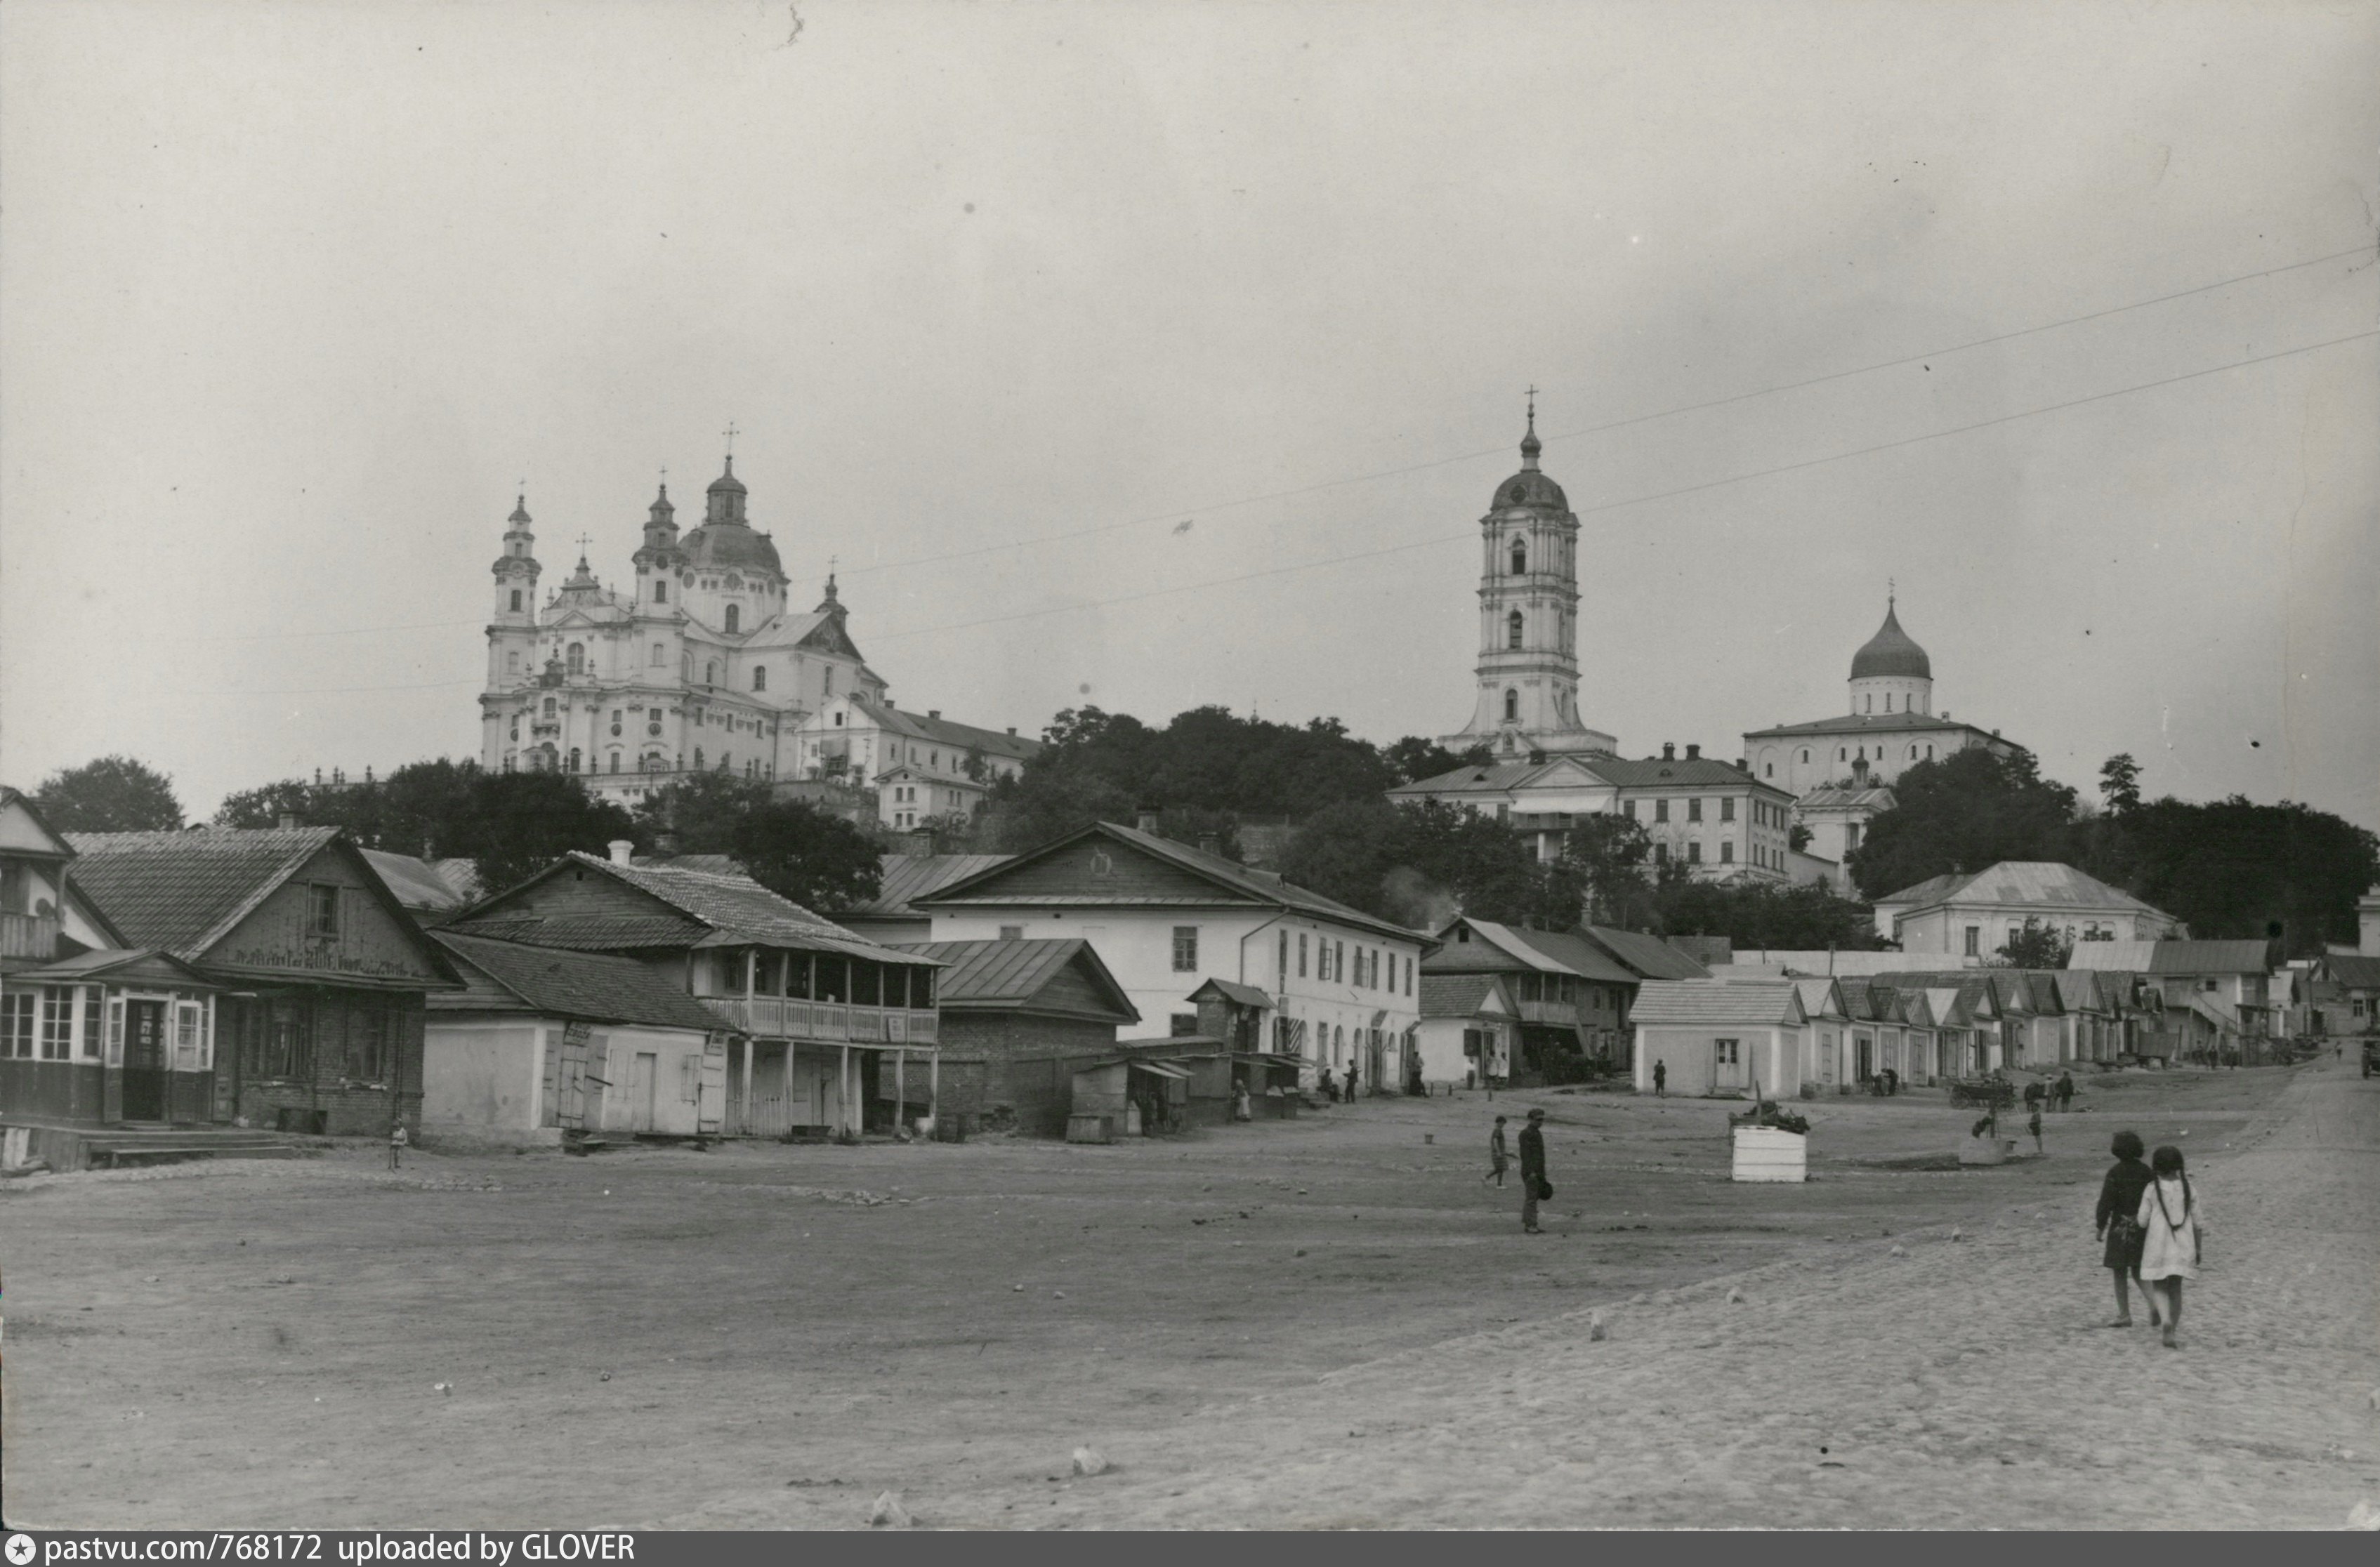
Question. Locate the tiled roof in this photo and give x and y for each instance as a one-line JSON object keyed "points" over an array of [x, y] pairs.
{"points": [[577, 984], [1766, 1004], [740, 908], [913, 875], [1874, 723], [1820, 998], [1013, 973], [719, 865], [1841, 797], [1656, 772], [1645, 955], [587, 932], [182, 891], [1459, 995]]}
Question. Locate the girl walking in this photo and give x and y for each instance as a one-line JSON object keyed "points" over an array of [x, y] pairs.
{"points": [[2169, 1220], [2119, 1222]]}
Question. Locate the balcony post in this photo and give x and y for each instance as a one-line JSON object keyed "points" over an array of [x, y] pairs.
{"points": [[749, 1045], [934, 1083], [900, 1087]]}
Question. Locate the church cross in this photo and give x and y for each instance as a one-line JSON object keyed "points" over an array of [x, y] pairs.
{"points": [[584, 540], [731, 438], [1533, 403]]}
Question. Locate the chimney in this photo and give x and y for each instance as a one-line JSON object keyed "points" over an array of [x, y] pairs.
{"points": [[921, 844], [933, 712], [1012, 728], [1146, 819], [1669, 752], [1210, 843], [1694, 752], [288, 822], [1536, 758], [622, 850]]}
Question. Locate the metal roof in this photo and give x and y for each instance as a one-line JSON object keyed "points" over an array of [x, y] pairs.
{"points": [[2024, 883], [1548, 952], [2211, 958], [905, 876], [1233, 991], [1012, 975], [1645, 955]]}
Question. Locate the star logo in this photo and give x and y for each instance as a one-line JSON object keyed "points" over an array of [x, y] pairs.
{"points": [[20, 1549]]}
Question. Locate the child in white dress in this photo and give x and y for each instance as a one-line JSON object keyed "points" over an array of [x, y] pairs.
{"points": [[2169, 1219]]}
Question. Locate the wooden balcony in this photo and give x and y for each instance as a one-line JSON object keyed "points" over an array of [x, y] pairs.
{"points": [[29, 936], [765, 1016], [1563, 1014]]}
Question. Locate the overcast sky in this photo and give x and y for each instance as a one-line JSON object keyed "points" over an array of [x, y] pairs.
{"points": [[1001, 297]]}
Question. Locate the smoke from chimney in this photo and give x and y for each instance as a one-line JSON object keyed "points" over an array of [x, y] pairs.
{"points": [[1417, 901]]}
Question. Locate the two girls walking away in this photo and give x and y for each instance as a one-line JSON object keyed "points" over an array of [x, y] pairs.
{"points": [[2150, 1218]]}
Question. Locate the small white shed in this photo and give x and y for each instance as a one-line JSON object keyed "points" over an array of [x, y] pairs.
{"points": [[1719, 1037]]}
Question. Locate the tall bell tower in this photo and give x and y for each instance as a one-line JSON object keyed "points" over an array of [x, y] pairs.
{"points": [[1528, 673]]}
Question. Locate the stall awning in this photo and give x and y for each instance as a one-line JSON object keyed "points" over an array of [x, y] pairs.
{"points": [[1160, 1068]]}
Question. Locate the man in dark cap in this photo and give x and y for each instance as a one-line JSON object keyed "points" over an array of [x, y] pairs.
{"points": [[1533, 1171]]}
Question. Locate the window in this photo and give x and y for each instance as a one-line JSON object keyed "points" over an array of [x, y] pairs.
{"points": [[94, 1026], [1974, 941], [1887, 702], [1694, 810], [1660, 854], [16, 1024], [1409, 968], [57, 1021], [1282, 966], [1185, 949], [577, 659], [734, 613], [574, 758], [1728, 1051], [1628, 808], [323, 913], [1513, 625], [1850, 837], [1660, 810], [1929, 753], [1805, 755], [759, 679], [1183, 1023], [1726, 853], [1300, 955], [1512, 705], [1727, 810], [1768, 769], [661, 592], [515, 601], [1869, 705], [547, 711], [616, 761], [1694, 852], [711, 672], [2203, 984], [512, 662], [1519, 556]]}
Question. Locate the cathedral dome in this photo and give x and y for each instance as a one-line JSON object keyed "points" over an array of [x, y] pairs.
{"points": [[1891, 652], [725, 546]]}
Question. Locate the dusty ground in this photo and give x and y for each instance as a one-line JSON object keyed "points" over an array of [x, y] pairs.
{"points": [[1328, 1321]]}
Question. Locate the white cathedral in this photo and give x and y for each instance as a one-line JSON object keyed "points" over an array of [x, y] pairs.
{"points": [[700, 665]]}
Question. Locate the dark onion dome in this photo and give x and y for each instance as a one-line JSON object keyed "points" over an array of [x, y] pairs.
{"points": [[726, 546], [1529, 486], [1891, 651]]}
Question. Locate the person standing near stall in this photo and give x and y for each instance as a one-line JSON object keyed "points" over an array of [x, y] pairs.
{"points": [[1535, 1188]]}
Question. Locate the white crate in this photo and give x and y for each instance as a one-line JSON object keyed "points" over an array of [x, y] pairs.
{"points": [[1765, 1153]]}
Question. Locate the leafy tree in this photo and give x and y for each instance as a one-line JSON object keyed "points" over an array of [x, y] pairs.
{"points": [[1420, 864], [517, 824], [1611, 853], [1804, 917], [264, 805], [1797, 837], [2035, 946], [818, 860], [112, 794], [699, 813], [1414, 758], [2234, 870], [1962, 814], [2120, 783]]}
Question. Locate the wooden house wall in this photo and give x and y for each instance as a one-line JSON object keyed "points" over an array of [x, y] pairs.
{"points": [[373, 942], [301, 1059], [1130, 876], [578, 889], [998, 1064]]}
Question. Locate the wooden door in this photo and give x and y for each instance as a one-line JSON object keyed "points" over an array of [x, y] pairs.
{"points": [[710, 1090], [642, 1072], [1727, 1063], [144, 1061]]}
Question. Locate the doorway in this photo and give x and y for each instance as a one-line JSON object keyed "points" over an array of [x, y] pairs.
{"points": [[1727, 1063], [642, 1072], [144, 1061]]}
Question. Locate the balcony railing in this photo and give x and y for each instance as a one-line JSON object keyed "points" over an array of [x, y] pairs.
{"points": [[765, 1017], [29, 936]]}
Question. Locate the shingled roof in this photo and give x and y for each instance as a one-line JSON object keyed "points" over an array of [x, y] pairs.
{"points": [[184, 891], [1761, 1004], [594, 986]]}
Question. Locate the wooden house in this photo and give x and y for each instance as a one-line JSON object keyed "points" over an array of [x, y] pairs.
{"points": [[1572, 994], [827, 1031], [268, 978], [545, 1041], [1165, 918], [1018, 1019]]}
